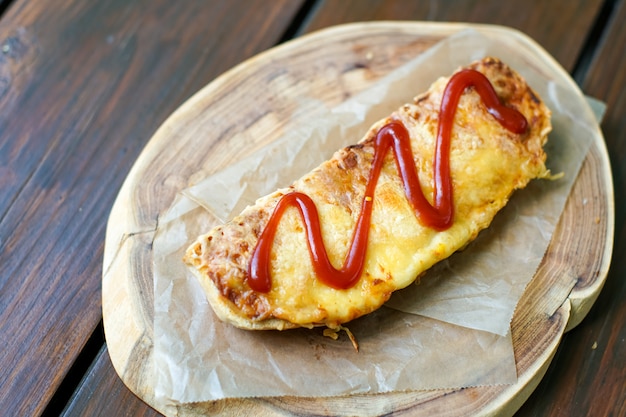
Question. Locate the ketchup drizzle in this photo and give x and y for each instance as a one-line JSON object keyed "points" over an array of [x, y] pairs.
{"points": [[393, 135]]}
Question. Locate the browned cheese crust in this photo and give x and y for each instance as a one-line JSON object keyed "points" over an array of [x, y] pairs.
{"points": [[487, 164]]}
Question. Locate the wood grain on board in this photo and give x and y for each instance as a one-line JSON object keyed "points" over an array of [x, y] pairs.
{"points": [[175, 154]]}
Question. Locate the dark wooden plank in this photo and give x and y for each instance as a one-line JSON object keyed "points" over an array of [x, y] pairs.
{"points": [[588, 374], [102, 393], [560, 26], [83, 86]]}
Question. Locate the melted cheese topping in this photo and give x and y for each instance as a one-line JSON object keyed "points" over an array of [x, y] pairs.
{"points": [[487, 164]]}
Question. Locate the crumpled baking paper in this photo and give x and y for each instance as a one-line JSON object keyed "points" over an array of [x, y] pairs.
{"points": [[451, 330]]}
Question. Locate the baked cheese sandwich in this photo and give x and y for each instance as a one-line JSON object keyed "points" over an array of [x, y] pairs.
{"points": [[420, 185]]}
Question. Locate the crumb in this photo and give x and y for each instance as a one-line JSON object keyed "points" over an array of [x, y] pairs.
{"points": [[332, 333]]}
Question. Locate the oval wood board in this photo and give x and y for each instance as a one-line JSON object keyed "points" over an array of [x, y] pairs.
{"points": [[331, 65]]}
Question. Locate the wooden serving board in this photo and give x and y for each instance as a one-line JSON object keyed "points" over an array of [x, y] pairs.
{"points": [[257, 99]]}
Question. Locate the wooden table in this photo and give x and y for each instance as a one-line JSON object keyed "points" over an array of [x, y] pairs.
{"points": [[83, 87]]}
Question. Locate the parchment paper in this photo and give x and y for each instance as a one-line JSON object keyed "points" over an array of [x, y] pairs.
{"points": [[450, 331]]}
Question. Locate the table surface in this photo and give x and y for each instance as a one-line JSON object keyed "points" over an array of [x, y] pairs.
{"points": [[83, 87]]}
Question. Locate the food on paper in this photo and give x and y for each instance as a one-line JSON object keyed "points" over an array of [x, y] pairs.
{"points": [[418, 187]]}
